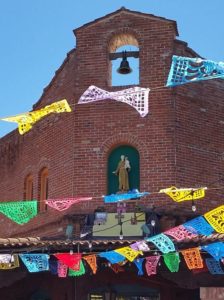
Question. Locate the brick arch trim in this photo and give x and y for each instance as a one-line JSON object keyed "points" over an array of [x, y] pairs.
{"points": [[28, 170], [123, 139], [43, 163], [126, 30]]}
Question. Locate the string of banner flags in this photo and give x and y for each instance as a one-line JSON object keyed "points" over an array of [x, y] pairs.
{"points": [[139, 253], [183, 70], [23, 211]]}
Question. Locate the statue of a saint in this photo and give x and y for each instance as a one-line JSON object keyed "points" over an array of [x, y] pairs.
{"points": [[122, 172]]}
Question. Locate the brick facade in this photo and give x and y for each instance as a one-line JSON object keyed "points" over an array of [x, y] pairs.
{"points": [[74, 147], [180, 141]]}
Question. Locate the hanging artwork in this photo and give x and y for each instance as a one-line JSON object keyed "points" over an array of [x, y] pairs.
{"points": [[199, 225], [124, 196], [136, 97], [27, 120], [8, 261], [179, 195], [138, 262], [65, 203], [91, 260], [79, 272], [20, 212], [71, 260], [162, 242], [172, 261], [193, 258], [128, 252], [140, 246], [215, 218], [214, 266], [180, 233], [35, 262], [151, 264], [62, 269], [184, 70], [216, 250], [112, 256]]}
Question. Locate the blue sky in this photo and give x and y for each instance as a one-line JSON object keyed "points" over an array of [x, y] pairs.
{"points": [[36, 35]]}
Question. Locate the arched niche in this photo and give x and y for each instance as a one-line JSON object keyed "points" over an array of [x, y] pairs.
{"points": [[113, 161]]}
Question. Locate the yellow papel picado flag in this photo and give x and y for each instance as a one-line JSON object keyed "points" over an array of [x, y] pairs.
{"points": [[180, 195], [26, 120]]}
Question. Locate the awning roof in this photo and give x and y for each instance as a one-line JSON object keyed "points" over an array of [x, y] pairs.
{"points": [[36, 243]]}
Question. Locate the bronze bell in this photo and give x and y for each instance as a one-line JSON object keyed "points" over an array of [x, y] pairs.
{"points": [[124, 66]]}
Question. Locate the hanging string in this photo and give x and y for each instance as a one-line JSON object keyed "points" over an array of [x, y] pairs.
{"points": [[130, 93], [46, 250], [146, 250], [127, 93], [75, 104], [155, 193], [179, 74]]}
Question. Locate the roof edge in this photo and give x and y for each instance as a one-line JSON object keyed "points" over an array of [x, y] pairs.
{"points": [[190, 50], [35, 105], [123, 9]]}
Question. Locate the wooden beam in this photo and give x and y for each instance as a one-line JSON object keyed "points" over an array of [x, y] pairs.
{"points": [[113, 56]]}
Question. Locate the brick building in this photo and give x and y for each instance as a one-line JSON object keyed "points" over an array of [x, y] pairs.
{"points": [[179, 143]]}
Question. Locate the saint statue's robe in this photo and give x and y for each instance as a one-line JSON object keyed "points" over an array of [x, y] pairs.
{"points": [[122, 173]]}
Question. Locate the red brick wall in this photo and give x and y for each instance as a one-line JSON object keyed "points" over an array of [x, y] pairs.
{"points": [[75, 146], [200, 138]]}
